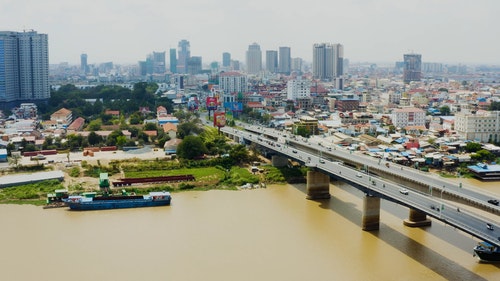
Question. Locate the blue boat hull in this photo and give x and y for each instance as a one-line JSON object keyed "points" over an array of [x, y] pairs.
{"points": [[117, 204]]}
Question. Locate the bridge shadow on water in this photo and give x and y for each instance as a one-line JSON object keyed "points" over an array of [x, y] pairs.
{"points": [[443, 266]]}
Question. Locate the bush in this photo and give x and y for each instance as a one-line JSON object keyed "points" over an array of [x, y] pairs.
{"points": [[74, 172]]}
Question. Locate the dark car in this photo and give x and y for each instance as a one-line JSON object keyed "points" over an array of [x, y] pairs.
{"points": [[493, 201], [294, 151]]}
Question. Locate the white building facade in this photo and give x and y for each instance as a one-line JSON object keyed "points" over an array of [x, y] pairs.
{"points": [[298, 89], [484, 126], [408, 116], [233, 82]]}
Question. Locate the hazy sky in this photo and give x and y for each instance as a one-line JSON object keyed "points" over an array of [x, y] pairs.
{"points": [[125, 31]]}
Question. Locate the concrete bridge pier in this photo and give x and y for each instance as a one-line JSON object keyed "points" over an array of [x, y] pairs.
{"points": [[371, 213], [318, 185], [417, 218]]}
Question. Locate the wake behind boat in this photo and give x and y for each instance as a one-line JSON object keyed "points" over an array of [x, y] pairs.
{"points": [[487, 252], [152, 199]]}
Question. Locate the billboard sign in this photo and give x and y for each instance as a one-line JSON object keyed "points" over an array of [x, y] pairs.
{"points": [[211, 103], [220, 119]]}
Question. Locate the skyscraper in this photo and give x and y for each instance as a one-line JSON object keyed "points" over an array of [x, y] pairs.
{"points": [[412, 70], [226, 59], [254, 59], [285, 60], [24, 66], [194, 65], [173, 60], [328, 61], [184, 53], [159, 62], [272, 61], [83, 63]]}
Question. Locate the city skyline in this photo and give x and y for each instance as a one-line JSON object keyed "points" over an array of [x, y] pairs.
{"points": [[444, 31]]}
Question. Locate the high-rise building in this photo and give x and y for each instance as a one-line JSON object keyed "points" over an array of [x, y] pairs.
{"points": [[24, 66], [194, 65], [159, 65], [272, 61], [328, 61], [285, 60], [297, 65], [226, 59], [233, 82], [254, 59], [184, 53], [412, 70], [83, 63], [173, 60]]}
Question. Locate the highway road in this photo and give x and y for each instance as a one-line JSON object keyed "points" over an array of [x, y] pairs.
{"points": [[320, 158]]}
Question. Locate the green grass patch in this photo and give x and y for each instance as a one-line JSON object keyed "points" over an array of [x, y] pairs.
{"points": [[34, 193]]}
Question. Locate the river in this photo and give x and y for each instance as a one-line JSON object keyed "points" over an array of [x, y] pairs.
{"points": [[262, 234]]}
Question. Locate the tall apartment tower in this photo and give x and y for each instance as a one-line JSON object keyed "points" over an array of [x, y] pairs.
{"points": [[412, 70], [84, 67], [184, 53], [272, 61], [24, 66], [285, 60], [328, 61], [254, 59], [173, 60], [226, 59]]}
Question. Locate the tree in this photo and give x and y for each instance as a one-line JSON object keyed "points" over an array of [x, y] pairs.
{"points": [[445, 110], [188, 128], [150, 127], [191, 147], [121, 140], [15, 159], [483, 155], [94, 138], [494, 106], [239, 154], [94, 125], [472, 146], [112, 138]]}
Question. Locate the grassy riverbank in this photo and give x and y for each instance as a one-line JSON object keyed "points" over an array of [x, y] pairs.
{"points": [[207, 178]]}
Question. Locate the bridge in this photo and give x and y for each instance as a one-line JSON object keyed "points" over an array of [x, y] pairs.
{"points": [[409, 187]]}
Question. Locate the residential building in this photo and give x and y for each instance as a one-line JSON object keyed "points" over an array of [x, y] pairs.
{"points": [[272, 61], [483, 126], [408, 117], [76, 125], [298, 88], [63, 117], [24, 66], [285, 60], [412, 70], [254, 59], [233, 82], [328, 61]]}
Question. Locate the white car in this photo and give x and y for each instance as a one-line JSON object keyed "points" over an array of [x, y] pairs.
{"points": [[359, 175], [403, 191]]}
